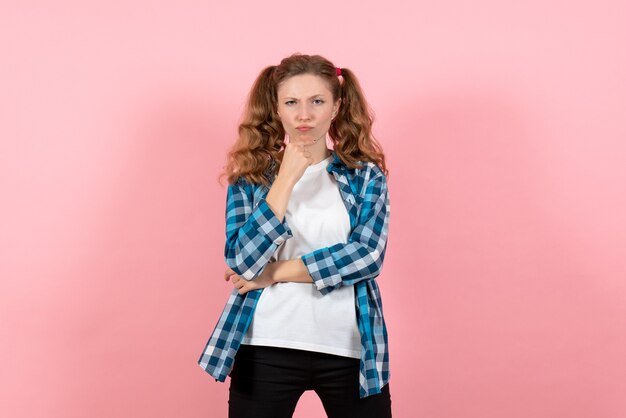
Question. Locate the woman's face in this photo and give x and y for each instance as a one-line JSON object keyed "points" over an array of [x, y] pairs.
{"points": [[305, 107]]}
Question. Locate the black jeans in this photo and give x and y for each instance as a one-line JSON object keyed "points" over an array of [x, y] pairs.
{"points": [[266, 382]]}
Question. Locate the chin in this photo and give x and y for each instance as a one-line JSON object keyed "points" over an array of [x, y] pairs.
{"points": [[297, 136]]}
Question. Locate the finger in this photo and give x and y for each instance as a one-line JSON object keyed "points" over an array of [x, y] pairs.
{"points": [[228, 273]]}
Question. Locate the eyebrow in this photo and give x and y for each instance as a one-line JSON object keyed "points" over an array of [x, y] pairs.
{"points": [[315, 95]]}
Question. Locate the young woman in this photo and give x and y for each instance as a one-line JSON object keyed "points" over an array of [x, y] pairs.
{"points": [[306, 235]]}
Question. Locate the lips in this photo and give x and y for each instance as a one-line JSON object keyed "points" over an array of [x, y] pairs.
{"points": [[304, 128]]}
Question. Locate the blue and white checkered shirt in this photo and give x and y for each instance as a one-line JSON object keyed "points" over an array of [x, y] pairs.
{"points": [[253, 233]]}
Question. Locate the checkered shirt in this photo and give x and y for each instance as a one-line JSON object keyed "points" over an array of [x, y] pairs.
{"points": [[253, 234]]}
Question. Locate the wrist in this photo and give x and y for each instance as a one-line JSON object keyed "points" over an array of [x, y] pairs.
{"points": [[293, 270], [270, 271], [285, 180]]}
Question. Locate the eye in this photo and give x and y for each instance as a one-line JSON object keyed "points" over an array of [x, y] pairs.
{"points": [[290, 102], [318, 101]]}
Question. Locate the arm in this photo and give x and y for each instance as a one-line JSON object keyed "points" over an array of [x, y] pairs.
{"points": [[278, 271], [278, 196], [361, 258], [254, 234], [290, 271]]}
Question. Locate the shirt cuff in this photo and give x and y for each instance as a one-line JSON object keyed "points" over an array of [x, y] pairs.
{"points": [[322, 269]]}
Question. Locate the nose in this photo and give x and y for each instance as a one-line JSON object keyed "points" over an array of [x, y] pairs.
{"points": [[304, 112]]}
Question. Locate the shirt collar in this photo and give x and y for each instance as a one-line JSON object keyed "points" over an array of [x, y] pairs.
{"points": [[336, 164]]}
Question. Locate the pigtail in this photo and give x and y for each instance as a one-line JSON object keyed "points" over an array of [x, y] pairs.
{"points": [[261, 135], [351, 131]]}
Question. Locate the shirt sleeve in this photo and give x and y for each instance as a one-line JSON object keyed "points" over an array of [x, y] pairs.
{"points": [[362, 256], [252, 233]]}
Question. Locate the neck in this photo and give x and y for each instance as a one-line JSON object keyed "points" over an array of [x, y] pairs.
{"points": [[318, 150], [321, 157]]}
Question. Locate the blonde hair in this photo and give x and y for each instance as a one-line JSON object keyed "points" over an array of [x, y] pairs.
{"points": [[258, 151]]}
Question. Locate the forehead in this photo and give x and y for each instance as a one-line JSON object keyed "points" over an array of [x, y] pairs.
{"points": [[303, 85]]}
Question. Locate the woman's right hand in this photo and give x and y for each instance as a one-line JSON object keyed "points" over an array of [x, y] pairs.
{"points": [[296, 159]]}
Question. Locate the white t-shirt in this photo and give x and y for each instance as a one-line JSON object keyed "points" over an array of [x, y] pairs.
{"points": [[297, 315]]}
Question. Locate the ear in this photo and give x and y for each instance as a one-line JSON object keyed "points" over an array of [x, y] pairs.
{"points": [[336, 106]]}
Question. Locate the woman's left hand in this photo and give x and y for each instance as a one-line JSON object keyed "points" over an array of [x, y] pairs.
{"points": [[244, 286]]}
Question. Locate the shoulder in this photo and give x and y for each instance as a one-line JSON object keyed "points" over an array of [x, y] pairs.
{"points": [[367, 182], [242, 184], [243, 192], [373, 168], [369, 172]]}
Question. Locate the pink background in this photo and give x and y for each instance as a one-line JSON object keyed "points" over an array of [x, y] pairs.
{"points": [[504, 128]]}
